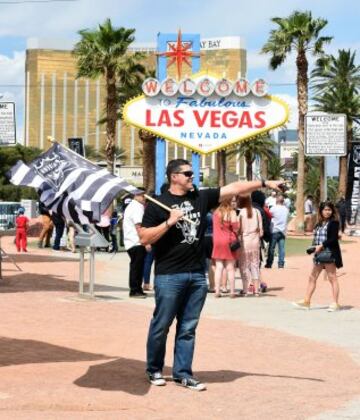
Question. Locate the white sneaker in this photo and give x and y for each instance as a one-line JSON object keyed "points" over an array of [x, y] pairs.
{"points": [[156, 378], [301, 304], [334, 307], [190, 383]]}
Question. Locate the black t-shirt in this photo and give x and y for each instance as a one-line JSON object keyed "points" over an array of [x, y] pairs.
{"points": [[181, 248]]}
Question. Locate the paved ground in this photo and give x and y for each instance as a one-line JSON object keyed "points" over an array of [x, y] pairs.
{"points": [[68, 358]]}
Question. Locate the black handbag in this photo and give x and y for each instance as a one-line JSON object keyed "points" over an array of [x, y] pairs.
{"points": [[235, 245], [324, 257]]}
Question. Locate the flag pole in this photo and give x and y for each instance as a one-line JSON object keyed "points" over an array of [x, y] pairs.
{"points": [[148, 197]]}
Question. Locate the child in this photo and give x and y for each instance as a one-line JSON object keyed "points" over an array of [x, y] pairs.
{"points": [[21, 229]]}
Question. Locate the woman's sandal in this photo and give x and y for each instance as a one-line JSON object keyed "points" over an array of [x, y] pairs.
{"points": [[234, 295], [218, 295], [224, 290]]}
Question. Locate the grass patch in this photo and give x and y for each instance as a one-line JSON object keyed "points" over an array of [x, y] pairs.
{"points": [[297, 246]]}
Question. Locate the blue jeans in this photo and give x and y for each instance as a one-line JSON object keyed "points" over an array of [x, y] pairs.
{"points": [[276, 238], [180, 295], [149, 258]]}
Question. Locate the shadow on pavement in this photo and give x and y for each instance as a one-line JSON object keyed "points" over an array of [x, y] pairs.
{"points": [[36, 258], [28, 282], [14, 351], [32, 282], [274, 289], [128, 375]]}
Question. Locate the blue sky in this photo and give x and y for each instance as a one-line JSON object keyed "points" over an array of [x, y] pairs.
{"points": [[249, 20]]}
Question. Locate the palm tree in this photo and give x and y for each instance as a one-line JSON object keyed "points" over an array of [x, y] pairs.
{"points": [[91, 153], [221, 167], [259, 146], [96, 155], [275, 170], [297, 33], [312, 184], [336, 85], [104, 52], [148, 155]]}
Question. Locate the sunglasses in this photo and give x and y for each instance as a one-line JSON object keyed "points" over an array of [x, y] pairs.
{"points": [[188, 174]]}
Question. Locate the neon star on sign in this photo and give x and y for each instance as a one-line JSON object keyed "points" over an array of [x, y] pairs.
{"points": [[179, 53]]}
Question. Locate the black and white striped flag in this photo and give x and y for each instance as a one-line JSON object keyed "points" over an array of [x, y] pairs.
{"points": [[70, 185]]}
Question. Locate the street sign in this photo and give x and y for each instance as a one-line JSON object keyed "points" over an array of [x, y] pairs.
{"points": [[325, 134], [287, 150], [206, 113], [76, 144], [7, 123]]}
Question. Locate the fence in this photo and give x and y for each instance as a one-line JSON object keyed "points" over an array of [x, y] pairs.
{"points": [[8, 214]]}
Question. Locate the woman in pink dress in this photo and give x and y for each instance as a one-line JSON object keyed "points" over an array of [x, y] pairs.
{"points": [[251, 232], [225, 231]]}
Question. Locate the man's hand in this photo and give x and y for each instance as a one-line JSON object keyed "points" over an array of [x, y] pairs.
{"points": [[175, 216], [276, 185]]}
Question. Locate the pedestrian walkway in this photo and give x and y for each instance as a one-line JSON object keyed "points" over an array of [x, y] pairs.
{"points": [[64, 357]]}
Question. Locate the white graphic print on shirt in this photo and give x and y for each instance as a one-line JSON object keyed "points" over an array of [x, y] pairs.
{"points": [[188, 229]]}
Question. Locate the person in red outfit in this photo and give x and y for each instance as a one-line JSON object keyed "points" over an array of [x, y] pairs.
{"points": [[21, 228], [225, 231]]}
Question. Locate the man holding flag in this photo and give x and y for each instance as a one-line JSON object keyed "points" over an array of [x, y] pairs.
{"points": [[180, 283]]}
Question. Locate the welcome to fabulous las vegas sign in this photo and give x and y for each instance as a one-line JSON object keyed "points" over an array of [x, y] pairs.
{"points": [[205, 113]]}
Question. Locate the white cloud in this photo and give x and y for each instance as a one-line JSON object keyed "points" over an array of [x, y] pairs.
{"points": [[12, 69], [250, 20], [210, 18]]}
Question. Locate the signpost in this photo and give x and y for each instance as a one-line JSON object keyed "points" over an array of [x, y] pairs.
{"points": [[325, 135], [7, 123], [206, 113], [76, 144], [353, 190], [203, 112]]}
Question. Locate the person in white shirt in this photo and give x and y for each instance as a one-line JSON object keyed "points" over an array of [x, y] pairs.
{"points": [[287, 202], [271, 200], [131, 224], [280, 215], [309, 214]]}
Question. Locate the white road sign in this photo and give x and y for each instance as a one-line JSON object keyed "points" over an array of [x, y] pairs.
{"points": [[7, 123], [325, 134]]}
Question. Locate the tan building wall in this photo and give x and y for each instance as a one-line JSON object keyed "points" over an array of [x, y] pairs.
{"points": [[59, 105]]}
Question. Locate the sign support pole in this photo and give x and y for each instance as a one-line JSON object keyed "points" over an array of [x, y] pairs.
{"points": [[161, 73], [325, 179]]}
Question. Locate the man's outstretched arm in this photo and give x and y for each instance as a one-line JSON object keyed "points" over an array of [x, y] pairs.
{"points": [[247, 187]]}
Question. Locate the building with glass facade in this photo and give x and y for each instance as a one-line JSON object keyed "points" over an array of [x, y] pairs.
{"points": [[58, 104]]}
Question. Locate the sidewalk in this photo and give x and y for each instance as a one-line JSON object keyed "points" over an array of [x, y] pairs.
{"points": [[63, 357]]}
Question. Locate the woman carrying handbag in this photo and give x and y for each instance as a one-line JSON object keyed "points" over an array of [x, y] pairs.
{"points": [[225, 244], [327, 255]]}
